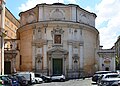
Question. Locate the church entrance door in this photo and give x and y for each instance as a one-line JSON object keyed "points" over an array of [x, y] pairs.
{"points": [[57, 66]]}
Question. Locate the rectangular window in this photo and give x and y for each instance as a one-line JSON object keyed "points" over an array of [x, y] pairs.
{"points": [[57, 39]]}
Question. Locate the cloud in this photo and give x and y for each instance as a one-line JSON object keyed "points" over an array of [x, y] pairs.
{"points": [[108, 11], [72, 1], [32, 3], [89, 9]]}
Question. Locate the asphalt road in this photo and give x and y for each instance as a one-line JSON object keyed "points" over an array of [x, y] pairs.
{"points": [[75, 82]]}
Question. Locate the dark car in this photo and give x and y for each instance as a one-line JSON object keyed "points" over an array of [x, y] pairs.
{"points": [[13, 80], [21, 80], [5, 81]]}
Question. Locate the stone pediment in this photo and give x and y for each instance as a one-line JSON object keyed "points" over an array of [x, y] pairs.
{"points": [[57, 51]]}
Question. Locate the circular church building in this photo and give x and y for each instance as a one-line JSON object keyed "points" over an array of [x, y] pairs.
{"points": [[58, 39]]}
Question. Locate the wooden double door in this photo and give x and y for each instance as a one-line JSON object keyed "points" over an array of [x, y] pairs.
{"points": [[57, 66]]}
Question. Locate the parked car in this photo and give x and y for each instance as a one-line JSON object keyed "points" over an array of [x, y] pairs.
{"points": [[108, 75], [58, 78], [38, 80], [109, 82], [13, 80], [118, 71], [21, 80], [5, 81], [44, 77], [30, 76], [99, 73], [118, 83]]}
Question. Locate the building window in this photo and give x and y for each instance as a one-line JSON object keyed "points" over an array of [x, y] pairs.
{"points": [[57, 39], [7, 23]]}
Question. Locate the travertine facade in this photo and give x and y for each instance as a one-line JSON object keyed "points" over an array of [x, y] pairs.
{"points": [[58, 39]]}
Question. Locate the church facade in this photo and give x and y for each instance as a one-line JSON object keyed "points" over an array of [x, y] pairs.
{"points": [[58, 39]]}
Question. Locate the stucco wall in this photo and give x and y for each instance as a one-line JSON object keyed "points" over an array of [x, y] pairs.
{"points": [[90, 38], [26, 49]]}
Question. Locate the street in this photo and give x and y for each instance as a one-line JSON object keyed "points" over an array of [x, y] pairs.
{"points": [[75, 82]]}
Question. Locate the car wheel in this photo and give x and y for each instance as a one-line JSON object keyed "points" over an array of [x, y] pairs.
{"points": [[61, 79], [46, 80], [36, 81]]}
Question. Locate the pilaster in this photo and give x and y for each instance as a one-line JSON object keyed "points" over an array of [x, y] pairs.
{"points": [[81, 56], [70, 55], [45, 56], [33, 57]]}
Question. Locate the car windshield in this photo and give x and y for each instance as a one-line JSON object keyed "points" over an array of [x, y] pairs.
{"points": [[111, 76]]}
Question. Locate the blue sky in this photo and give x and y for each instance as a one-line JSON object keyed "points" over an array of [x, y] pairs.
{"points": [[107, 21]]}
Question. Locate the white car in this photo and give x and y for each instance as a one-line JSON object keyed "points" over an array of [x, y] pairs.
{"points": [[38, 80], [58, 77], [109, 82], [109, 75]]}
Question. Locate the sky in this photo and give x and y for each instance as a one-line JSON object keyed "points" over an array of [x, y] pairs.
{"points": [[107, 11]]}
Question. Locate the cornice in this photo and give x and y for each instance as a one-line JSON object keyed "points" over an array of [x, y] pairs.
{"points": [[68, 24]]}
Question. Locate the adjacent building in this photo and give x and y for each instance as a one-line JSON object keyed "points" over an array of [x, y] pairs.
{"points": [[106, 59], [58, 39], [117, 48], [2, 33], [11, 24]]}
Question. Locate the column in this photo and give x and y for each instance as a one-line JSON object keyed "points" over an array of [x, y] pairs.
{"points": [[64, 64], [70, 47], [81, 56], [45, 50], [113, 64], [50, 65], [33, 57], [100, 63], [70, 55]]}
